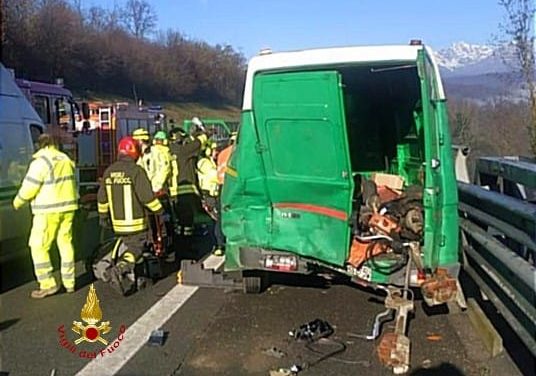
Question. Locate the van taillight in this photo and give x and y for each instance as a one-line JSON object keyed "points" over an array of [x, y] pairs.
{"points": [[281, 263]]}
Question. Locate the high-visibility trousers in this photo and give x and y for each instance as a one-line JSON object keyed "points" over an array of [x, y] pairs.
{"points": [[45, 229]]}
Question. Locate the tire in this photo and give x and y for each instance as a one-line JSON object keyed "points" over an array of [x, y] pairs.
{"points": [[252, 285]]}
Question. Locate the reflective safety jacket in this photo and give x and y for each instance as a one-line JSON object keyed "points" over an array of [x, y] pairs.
{"points": [[161, 167], [50, 183], [207, 173], [187, 159], [125, 192], [146, 162]]}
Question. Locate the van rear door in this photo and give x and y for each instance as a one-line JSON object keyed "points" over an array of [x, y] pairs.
{"points": [[432, 195], [302, 139]]}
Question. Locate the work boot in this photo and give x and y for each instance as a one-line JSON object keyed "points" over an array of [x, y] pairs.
{"points": [[218, 251], [43, 293], [120, 278]]}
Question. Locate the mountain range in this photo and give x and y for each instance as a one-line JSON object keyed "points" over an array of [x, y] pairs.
{"points": [[479, 72]]}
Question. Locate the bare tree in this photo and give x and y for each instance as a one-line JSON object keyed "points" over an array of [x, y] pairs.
{"points": [[518, 28], [462, 118], [139, 18]]}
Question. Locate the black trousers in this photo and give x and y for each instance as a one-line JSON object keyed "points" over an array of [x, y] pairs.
{"points": [[187, 204]]}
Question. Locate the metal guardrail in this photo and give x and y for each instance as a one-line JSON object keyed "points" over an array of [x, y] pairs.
{"points": [[499, 242]]}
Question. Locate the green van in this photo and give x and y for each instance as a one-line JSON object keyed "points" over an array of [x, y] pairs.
{"points": [[343, 163]]}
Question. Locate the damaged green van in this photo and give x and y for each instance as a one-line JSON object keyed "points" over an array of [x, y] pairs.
{"points": [[343, 162]]}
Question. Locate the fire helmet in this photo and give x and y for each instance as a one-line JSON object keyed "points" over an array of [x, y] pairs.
{"points": [[140, 134], [129, 146]]}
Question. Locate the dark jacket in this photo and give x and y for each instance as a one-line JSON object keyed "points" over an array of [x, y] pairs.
{"points": [[125, 192], [187, 154]]}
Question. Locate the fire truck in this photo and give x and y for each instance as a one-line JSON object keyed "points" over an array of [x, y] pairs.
{"points": [[88, 131], [99, 133], [56, 107]]}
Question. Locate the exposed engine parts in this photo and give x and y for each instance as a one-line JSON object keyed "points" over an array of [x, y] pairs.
{"points": [[389, 225]]}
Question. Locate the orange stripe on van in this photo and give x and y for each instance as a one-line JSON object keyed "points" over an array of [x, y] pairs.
{"points": [[322, 210]]}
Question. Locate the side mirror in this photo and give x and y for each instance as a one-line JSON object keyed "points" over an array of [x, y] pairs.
{"points": [[85, 110]]}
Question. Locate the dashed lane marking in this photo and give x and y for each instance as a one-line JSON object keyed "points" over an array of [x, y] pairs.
{"points": [[138, 333]]}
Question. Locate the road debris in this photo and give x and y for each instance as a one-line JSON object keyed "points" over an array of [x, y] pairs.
{"points": [[426, 363], [281, 372], [312, 331], [434, 337], [440, 288], [274, 352], [157, 338]]}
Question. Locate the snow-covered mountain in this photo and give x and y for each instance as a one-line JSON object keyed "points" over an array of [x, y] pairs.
{"points": [[461, 54], [479, 72], [471, 59]]}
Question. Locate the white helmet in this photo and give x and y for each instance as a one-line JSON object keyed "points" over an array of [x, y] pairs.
{"points": [[197, 121]]}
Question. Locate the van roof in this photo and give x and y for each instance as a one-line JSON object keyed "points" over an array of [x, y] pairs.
{"points": [[44, 88], [13, 103], [329, 56]]}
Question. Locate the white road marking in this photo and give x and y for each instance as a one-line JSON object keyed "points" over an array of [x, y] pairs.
{"points": [[138, 333]]}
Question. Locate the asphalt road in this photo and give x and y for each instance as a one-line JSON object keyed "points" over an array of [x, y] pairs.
{"points": [[218, 332]]}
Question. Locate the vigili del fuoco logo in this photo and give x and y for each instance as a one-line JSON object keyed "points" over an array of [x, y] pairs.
{"points": [[91, 329]]}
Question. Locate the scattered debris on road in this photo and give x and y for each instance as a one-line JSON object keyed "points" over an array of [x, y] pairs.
{"points": [[157, 338], [274, 352], [434, 337], [281, 372]]}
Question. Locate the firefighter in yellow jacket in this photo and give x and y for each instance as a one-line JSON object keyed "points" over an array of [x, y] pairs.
{"points": [[142, 136], [50, 187], [161, 160], [207, 173], [124, 194]]}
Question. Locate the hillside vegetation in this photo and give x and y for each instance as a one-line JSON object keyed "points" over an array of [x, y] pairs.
{"points": [[117, 51]]}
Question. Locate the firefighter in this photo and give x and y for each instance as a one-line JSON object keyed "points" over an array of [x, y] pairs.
{"points": [[50, 187], [207, 172], [142, 136], [124, 194], [186, 152], [161, 161]]}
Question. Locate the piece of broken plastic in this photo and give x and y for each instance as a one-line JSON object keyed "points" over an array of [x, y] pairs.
{"points": [[157, 338]]}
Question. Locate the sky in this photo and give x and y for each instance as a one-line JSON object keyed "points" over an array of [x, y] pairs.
{"points": [[250, 25]]}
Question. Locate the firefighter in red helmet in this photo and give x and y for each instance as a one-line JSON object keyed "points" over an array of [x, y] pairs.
{"points": [[124, 195]]}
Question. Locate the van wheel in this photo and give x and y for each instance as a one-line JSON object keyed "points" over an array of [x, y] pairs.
{"points": [[252, 285]]}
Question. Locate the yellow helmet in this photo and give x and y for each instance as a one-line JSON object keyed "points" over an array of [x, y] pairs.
{"points": [[140, 134]]}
